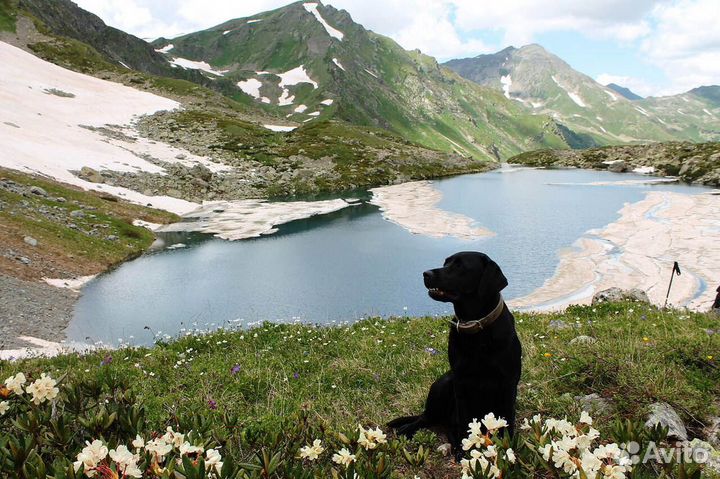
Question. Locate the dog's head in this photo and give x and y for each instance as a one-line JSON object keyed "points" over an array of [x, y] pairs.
{"points": [[465, 276]]}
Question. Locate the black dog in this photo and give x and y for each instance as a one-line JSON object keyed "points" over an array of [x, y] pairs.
{"points": [[483, 349]]}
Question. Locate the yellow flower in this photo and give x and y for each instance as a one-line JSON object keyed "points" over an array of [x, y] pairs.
{"points": [[548, 355], [646, 339], [710, 357]]}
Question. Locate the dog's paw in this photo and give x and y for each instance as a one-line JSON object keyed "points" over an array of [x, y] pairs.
{"points": [[445, 449]]}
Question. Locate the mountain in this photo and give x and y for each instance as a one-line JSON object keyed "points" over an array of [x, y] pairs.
{"points": [[625, 92], [309, 62], [544, 84]]}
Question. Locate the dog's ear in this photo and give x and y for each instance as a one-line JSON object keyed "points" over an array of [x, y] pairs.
{"points": [[492, 280]]}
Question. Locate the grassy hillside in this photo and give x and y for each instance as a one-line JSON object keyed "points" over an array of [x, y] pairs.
{"points": [[77, 232], [270, 389]]}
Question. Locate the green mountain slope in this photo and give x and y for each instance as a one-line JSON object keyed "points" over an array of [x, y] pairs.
{"points": [[544, 84], [626, 92], [289, 60]]}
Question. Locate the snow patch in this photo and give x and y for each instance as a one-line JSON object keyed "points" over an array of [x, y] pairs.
{"points": [[599, 118], [279, 127], [50, 140], [685, 99], [300, 109], [286, 99], [193, 65], [333, 32], [371, 73], [255, 20], [506, 84], [573, 96], [336, 62], [265, 100], [251, 87], [146, 224], [165, 49], [612, 95], [315, 113], [644, 170], [74, 284], [537, 105], [642, 111], [295, 76], [121, 63], [681, 112], [226, 32], [329, 102], [706, 111]]}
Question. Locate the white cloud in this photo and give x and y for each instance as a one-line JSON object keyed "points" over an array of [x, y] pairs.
{"points": [[685, 43], [636, 85]]}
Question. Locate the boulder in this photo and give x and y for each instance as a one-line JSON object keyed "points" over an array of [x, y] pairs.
{"points": [[36, 190], [595, 404], [617, 166], [663, 414], [93, 176], [558, 324], [613, 295], [77, 214], [30, 240]]}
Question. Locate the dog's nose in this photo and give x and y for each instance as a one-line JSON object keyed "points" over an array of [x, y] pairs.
{"points": [[428, 275]]}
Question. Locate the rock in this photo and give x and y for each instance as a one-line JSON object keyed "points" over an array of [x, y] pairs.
{"points": [[24, 260], [558, 324], [174, 193], [181, 156], [112, 238], [36, 190], [583, 340], [618, 166], [613, 295], [444, 449], [595, 404], [712, 432], [93, 176], [30, 240], [78, 214], [663, 414], [60, 199]]}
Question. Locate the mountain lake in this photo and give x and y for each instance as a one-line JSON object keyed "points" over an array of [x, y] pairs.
{"points": [[352, 263]]}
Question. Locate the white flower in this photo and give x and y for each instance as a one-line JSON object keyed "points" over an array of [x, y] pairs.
{"points": [[91, 455], [126, 461], [585, 418], [16, 383], [43, 389], [312, 452], [187, 448], [614, 472], [475, 428], [371, 438], [492, 423], [490, 452], [139, 442], [590, 464], [213, 459], [174, 438], [545, 451], [158, 448], [343, 457], [4, 407], [510, 455], [564, 461]]}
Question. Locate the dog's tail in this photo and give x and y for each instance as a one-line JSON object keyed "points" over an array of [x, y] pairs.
{"points": [[408, 425]]}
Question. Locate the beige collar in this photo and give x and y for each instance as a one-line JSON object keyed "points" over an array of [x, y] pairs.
{"points": [[472, 327]]}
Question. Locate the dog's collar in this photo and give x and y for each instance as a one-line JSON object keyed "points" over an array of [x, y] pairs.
{"points": [[471, 327]]}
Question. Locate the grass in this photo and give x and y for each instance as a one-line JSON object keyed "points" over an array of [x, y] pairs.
{"points": [[47, 220], [374, 370]]}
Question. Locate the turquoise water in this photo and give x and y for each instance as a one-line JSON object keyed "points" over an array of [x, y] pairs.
{"points": [[352, 263]]}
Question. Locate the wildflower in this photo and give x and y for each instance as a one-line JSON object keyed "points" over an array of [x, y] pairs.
{"points": [[585, 418], [212, 404], [91, 455], [235, 369], [312, 452], [126, 461], [213, 459], [709, 357], [547, 355], [43, 389], [139, 442], [492, 423], [16, 383], [432, 351], [343, 457], [175, 438], [646, 339], [510, 455], [158, 448], [371, 438], [4, 407], [106, 360], [186, 448]]}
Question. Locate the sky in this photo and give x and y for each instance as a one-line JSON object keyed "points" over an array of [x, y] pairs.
{"points": [[653, 47]]}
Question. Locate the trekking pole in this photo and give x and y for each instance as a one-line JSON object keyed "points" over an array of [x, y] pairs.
{"points": [[676, 270]]}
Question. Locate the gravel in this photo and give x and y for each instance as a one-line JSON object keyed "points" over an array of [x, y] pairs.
{"points": [[33, 309]]}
